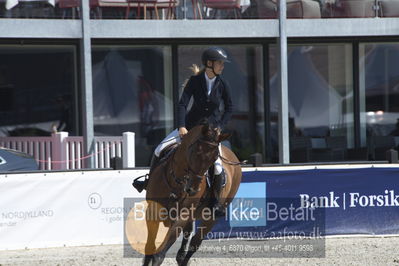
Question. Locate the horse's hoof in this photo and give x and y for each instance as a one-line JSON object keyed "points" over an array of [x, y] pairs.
{"points": [[183, 263], [219, 210], [180, 258], [147, 260]]}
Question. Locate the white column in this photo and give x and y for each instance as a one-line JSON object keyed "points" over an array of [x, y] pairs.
{"points": [[128, 150], [283, 128], [59, 151]]}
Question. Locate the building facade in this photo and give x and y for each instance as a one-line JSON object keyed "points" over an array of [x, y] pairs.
{"points": [[105, 68]]}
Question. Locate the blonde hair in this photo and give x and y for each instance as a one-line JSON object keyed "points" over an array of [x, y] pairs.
{"points": [[196, 71]]}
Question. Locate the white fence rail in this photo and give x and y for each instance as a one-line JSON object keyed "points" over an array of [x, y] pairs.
{"points": [[62, 152], [106, 148]]}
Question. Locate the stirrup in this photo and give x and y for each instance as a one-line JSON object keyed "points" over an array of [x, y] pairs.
{"points": [[140, 185]]}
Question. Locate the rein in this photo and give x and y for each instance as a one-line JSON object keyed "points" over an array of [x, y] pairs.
{"points": [[210, 143], [177, 181], [227, 161], [184, 180], [189, 171], [172, 171]]}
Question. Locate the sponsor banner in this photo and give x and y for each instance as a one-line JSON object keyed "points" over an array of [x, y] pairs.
{"points": [[313, 202], [87, 207], [64, 208]]}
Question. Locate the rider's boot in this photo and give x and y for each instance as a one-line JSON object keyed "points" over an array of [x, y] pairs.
{"points": [[220, 181], [141, 185]]}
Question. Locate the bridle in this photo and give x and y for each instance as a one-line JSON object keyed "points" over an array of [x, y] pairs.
{"points": [[227, 161], [189, 172], [219, 155], [210, 143]]}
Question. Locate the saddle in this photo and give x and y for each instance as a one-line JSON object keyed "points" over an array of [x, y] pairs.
{"points": [[165, 155]]}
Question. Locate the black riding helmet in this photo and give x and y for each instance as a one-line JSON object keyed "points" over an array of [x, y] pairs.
{"points": [[214, 54]]}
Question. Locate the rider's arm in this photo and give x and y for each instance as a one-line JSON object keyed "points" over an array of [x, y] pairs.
{"points": [[228, 105]]}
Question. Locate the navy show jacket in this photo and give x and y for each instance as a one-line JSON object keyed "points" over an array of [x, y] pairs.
{"points": [[204, 106]]}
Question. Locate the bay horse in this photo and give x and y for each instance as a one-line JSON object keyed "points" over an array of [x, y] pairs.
{"points": [[180, 181]]}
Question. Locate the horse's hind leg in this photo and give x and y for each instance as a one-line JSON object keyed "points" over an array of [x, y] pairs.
{"points": [[196, 241], [187, 230]]}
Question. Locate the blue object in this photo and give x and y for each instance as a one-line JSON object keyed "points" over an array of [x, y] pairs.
{"points": [[12, 160], [313, 202]]}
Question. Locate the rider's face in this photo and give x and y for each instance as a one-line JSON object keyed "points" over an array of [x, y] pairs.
{"points": [[218, 66]]}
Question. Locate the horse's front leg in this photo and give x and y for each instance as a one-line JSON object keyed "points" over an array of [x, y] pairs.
{"points": [[150, 246], [196, 241], [147, 260], [173, 233], [187, 231], [152, 223]]}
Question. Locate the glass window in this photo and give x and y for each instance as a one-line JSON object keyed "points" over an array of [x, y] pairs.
{"points": [[37, 90], [379, 97], [132, 91], [320, 93], [244, 74]]}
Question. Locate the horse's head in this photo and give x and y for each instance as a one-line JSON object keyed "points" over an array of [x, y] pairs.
{"points": [[201, 153]]}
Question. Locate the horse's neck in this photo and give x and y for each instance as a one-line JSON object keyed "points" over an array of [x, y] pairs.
{"points": [[180, 159]]}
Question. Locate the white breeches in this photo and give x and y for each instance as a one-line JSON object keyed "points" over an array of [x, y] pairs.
{"points": [[174, 137]]}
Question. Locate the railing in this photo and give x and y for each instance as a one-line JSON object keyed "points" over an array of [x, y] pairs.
{"points": [[201, 9], [38, 147], [62, 152], [106, 149]]}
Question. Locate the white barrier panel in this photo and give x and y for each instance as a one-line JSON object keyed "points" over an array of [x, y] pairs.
{"points": [[74, 208], [66, 208]]}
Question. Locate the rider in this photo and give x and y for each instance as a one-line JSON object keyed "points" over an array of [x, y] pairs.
{"points": [[208, 91]]}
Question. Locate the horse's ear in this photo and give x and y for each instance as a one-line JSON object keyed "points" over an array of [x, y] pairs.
{"points": [[223, 137]]}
